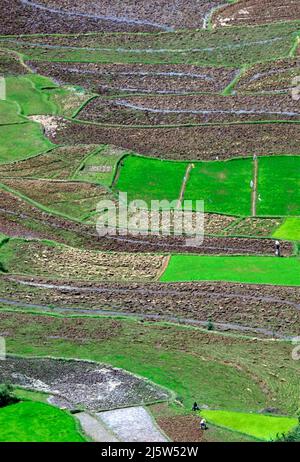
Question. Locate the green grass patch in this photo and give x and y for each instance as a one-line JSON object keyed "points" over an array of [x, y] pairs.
{"points": [[100, 166], [31, 101], [150, 179], [263, 427], [219, 370], [67, 99], [41, 82], [235, 47], [30, 395], [252, 270], [31, 421], [278, 185], [36, 94], [224, 186], [290, 229], [10, 113], [21, 141]]}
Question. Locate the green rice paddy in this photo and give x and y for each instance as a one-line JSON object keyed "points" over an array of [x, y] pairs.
{"points": [[263, 427], [249, 269]]}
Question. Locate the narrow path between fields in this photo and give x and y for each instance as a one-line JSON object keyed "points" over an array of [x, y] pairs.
{"points": [[254, 189], [184, 183], [95, 429], [132, 424]]}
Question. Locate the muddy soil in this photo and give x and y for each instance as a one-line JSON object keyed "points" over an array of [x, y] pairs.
{"points": [[190, 143], [253, 12], [180, 110], [113, 79], [87, 385]]}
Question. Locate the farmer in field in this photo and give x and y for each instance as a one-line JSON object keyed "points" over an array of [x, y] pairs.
{"points": [[203, 424], [277, 249], [195, 407]]}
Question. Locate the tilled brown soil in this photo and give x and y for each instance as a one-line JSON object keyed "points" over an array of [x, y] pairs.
{"points": [[90, 385], [260, 309], [182, 429], [251, 12], [270, 77], [65, 16], [176, 110], [20, 219], [23, 17], [137, 78], [190, 143]]}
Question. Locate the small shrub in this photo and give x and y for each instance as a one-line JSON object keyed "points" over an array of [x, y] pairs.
{"points": [[210, 325], [7, 396], [291, 437]]}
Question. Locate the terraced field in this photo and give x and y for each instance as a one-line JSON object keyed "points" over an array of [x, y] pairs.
{"points": [[112, 310]]}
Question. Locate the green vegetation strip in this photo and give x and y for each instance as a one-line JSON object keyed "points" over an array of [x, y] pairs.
{"points": [[263, 427], [250, 270], [22, 141], [31, 421], [234, 46]]}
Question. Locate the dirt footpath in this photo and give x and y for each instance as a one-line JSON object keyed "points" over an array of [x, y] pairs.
{"points": [[133, 425], [94, 429]]}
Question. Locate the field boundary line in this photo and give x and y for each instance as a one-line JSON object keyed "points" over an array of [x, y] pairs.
{"points": [[183, 185], [254, 189], [83, 105], [188, 125], [228, 90], [163, 267], [83, 162], [293, 50], [117, 170]]}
